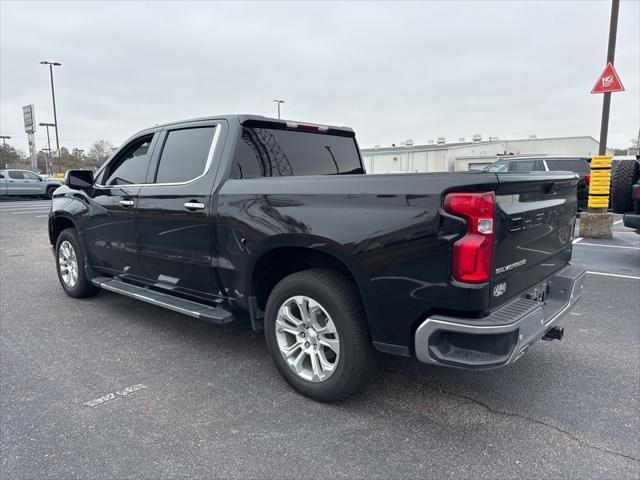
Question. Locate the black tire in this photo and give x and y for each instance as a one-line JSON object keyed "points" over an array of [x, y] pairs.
{"points": [[338, 296], [624, 174], [50, 190], [83, 287]]}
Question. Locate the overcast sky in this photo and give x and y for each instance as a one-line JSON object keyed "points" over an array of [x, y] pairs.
{"points": [[390, 70]]}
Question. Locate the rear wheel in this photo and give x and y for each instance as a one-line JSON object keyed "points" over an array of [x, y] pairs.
{"points": [[70, 266], [624, 174], [315, 332]]}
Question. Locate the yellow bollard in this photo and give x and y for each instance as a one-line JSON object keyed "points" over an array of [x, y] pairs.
{"points": [[600, 182]]}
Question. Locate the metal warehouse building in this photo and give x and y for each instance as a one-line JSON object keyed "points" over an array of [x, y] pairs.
{"points": [[471, 155]]}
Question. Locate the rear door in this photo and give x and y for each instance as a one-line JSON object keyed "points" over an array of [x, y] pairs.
{"points": [[536, 215], [16, 183], [176, 211]]}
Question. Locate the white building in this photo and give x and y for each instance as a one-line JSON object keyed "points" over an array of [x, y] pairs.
{"points": [[468, 155]]}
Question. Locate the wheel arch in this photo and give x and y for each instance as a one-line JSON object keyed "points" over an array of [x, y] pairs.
{"points": [[57, 224], [296, 253]]}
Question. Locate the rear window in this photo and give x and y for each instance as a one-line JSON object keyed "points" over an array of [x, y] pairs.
{"points": [[264, 152], [578, 165]]}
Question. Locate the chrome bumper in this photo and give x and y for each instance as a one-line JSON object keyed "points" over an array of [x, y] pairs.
{"points": [[504, 335]]}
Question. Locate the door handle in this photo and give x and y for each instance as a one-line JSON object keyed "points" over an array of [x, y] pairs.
{"points": [[127, 203], [194, 205]]}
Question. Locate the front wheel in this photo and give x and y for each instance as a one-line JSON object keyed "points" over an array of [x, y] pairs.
{"points": [[70, 266], [315, 332]]}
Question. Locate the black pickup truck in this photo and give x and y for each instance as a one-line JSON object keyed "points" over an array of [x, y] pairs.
{"points": [[276, 222]]}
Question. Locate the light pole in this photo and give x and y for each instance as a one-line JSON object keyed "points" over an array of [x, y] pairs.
{"points": [[48, 144], [4, 140], [279, 102], [55, 116]]}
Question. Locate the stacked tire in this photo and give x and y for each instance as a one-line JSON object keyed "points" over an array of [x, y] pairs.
{"points": [[624, 175]]}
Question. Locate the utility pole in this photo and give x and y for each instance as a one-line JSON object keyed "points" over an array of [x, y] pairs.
{"points": [[55, 116], [4, 140], [611, 53], [279, 102], [597, 222], [49, 166]]}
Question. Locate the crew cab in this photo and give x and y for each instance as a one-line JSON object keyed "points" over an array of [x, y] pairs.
{"points": [[16, 182], [242, 217]]}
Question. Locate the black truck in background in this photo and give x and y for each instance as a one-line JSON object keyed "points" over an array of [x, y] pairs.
{"points": [[239, 216]]}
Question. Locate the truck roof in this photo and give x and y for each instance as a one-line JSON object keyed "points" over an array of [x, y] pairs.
{"points": [[244, 118]]}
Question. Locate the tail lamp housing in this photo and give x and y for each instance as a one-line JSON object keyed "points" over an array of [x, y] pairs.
{"points": [[473, 253]]}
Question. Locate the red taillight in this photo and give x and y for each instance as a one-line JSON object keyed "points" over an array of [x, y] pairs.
{"points": [[587, 178], [473, 253]]}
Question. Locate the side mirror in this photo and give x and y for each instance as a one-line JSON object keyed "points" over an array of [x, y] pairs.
{"points": [[79, 179]]}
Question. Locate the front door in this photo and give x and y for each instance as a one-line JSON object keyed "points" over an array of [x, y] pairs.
{"points": [[110, 232], [175, 222]]}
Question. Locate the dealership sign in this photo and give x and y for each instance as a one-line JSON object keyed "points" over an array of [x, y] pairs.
{"points": [[608, 81], [29, 119]]}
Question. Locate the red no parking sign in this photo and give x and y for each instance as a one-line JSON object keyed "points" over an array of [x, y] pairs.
{"points": [[608, 81]]}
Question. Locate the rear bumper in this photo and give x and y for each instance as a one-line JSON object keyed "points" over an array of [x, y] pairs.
{"points": [[504, 335], [631, 220]]}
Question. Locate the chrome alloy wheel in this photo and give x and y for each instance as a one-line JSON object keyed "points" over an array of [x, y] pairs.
{"points": [[307, 338], [68, 264]]}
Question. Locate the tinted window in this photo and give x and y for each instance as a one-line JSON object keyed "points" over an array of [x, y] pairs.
{"points": [[1, 175], [578, 165], [15, 174], [498, 167], [30, 176], [131, 165], [272, 153], [184, 155], [528, 166]]}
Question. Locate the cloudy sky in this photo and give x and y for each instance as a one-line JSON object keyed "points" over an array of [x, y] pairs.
{"points": [[390, 70]]}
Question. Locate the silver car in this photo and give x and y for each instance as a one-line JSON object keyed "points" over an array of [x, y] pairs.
{"points": [[26, 183]]}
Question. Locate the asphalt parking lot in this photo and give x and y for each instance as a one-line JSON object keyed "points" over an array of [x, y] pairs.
{"points": [[206, 401]]}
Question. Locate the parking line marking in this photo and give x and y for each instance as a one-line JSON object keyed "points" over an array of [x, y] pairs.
{"points": [[609, 246], [616, 223], [29, 211], [112, 396], [23, 207], [632, 277], [577, 240]]}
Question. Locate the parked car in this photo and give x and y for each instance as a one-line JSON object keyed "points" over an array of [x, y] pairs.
{"points": [[625, 191], [26, 183], [579, 165], [242, 216]]}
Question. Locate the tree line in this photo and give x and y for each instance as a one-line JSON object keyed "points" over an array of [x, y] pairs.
{"points": [[91, 159]]}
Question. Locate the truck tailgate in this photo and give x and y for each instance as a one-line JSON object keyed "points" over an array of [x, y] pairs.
{"points": [[535, 215]]}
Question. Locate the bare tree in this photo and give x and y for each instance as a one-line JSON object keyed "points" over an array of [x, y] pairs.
{"points": [[99, 152]]}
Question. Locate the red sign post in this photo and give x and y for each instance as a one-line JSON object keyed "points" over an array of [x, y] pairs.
{"points": [[608, 81]]}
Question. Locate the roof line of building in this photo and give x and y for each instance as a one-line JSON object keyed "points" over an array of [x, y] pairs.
{"points": [[444, 146]]}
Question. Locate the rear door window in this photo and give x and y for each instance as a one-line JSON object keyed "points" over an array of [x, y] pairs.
{"points": [[577, 165], [184, 155], [267, 152], [528, 166]]}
